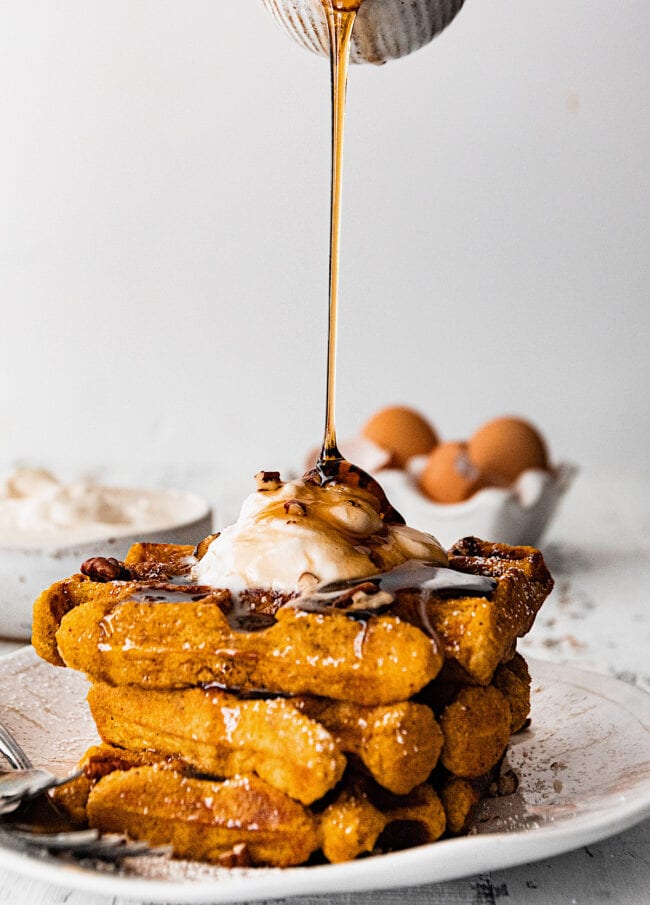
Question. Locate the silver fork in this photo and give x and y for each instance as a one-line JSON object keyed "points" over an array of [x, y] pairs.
{"points": [[23, 783], [12, 750]]}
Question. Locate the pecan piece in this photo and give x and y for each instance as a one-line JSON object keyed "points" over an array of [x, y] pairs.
{"points": [[268, 480], [202, 548], [364, 596], [295, 507], [101, 568]]}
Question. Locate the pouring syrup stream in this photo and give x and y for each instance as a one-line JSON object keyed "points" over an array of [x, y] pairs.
{"points": [[340, 24], [331, 466]]}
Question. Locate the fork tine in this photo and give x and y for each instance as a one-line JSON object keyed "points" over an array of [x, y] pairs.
{"points": [[89, 844], [79, 840], [12, 750], [9, 806], [28, 782], [126, 849], [115, 846], [24, 784]]}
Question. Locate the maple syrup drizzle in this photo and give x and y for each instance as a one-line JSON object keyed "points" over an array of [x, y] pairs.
{"points": [[331, 466], [340, 22], [240, 613]]}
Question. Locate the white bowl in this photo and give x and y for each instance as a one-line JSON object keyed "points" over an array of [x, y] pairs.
{"points": [[26, 570], [515, 515]]}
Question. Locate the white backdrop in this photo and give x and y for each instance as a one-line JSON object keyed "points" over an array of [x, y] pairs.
{"points": [[163, 230]]}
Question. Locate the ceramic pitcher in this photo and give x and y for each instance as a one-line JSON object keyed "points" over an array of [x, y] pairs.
{"points": [[384, 29]]}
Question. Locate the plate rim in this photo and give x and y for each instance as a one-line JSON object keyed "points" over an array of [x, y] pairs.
{"points": [[460, 857]]}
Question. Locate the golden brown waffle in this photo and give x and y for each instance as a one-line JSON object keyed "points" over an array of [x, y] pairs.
{"points": [[479, 633], [363, 818], [175, 645], [476, 730], [513, 681], [160, 800], [398, 744], [221, 735], [459, 798], [97, 762], [202, 819], [295, 744], [476, 633]]}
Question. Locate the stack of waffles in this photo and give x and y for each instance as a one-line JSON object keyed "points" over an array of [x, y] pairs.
{"points": [[250, 730]]}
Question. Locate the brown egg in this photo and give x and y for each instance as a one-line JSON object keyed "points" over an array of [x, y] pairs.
{"points": [[449, 476], [402, 432], [503, 448]]}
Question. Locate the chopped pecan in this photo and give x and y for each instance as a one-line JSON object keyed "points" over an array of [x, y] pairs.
{"points": [[202, 548], [101, 568], [365, 596], [295, 507], [307, 581], [268, 480]]}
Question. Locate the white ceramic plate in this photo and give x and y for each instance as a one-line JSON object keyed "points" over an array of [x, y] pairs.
{"points": [[584, 768]]}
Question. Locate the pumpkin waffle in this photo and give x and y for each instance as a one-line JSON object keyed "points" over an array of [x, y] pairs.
{"points": [[296, 744], [364, 818], [513, 681], [356, 817], [479, 633], [203, 819], [476, 730], [98, 761], [398, 745], [162, 801], [220, 735], [165, 644], [126, 631], [257, 728], [460, 798]]}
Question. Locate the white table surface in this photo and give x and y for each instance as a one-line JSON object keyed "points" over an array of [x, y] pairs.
{"points": [[598, 618]]}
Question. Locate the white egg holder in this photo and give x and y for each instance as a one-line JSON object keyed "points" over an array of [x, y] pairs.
{"points": [[518, 514], [25, 571]]}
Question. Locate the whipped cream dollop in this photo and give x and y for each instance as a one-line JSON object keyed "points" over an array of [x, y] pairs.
{"points": [[38, 509], [295, 535]]}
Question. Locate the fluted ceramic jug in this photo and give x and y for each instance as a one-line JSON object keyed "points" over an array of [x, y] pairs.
{"points": [[384, 29]]}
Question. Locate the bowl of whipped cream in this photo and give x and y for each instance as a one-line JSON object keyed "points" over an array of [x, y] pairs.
{"points": [[49, 527]]}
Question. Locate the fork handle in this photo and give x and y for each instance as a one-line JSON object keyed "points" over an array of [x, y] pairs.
{"points": [[12, 750]]}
